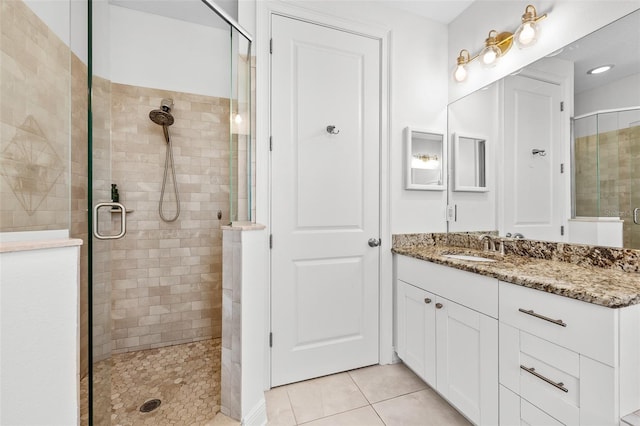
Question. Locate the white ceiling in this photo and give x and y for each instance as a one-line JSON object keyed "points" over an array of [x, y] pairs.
{"points": [[437, 10]]}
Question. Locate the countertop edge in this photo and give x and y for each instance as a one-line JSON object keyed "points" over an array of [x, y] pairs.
{"points": [[544, 284], [16, 246]]}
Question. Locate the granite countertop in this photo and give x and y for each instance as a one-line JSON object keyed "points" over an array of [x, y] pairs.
{"points": [[601, 286]]}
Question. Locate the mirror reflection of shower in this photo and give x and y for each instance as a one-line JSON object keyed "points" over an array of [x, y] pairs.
{"points": [[164, 118]]}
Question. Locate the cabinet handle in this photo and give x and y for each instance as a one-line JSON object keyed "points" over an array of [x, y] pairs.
{"points": [[439, 305], [427, 300], [533, 314], [532, 370]]}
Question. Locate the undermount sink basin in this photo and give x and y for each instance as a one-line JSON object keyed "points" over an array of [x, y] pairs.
{"points": [[467, 257]]}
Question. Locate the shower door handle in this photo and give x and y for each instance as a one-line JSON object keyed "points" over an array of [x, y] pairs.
{"points": [[123, 220], [635, 215]]}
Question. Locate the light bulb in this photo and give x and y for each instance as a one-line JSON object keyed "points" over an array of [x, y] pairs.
{"points": [[460, 74], [527, 34], [238, 119], [490, 55]]}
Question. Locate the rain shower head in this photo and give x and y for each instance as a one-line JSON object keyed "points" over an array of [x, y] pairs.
{"points": [[163, 115]]}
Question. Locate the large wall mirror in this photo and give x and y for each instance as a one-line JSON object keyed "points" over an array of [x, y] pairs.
{"points": [[562, 144]]}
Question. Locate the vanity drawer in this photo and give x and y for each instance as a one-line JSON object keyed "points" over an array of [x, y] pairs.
{"points": [[543, 373], [469, 289], [550, 378], [582, 327], [533, 416]]}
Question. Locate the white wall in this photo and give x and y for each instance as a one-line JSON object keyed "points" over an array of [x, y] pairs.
{"points": [[618, 94], [154, 51], [568, 21]]}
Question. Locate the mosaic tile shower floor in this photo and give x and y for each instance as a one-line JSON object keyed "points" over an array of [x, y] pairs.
{"points": [[186, 378]]}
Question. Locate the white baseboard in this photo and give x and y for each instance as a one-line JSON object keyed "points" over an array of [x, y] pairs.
{"points": [[257, 416]]}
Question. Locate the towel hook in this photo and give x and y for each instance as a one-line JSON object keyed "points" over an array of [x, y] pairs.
{"points": [[331, 129]]}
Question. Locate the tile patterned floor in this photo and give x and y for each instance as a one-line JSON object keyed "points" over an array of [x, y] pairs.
{"points": [[186, 378], [390, 395]]}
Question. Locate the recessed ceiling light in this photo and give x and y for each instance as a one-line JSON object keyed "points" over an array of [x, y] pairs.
{"points": [[600, 69]]}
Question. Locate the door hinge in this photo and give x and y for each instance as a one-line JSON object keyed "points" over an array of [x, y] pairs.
{"points": [[270, 45], [270, 143], [270, 340], [561, 167], [270, 241], [561, 106], [562, 230]]}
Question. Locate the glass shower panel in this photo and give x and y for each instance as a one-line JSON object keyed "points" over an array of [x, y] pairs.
{"points": [[241, 146], [586, 195], [630, 179], [607, 183], [99, 181]]}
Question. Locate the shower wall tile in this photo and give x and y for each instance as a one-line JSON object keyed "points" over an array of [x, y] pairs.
{"points": [[35, 105], [167, 276]]}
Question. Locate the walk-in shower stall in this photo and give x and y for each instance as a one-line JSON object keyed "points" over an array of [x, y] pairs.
{"points": [[129, 124], [171, 128], [606, 180]]}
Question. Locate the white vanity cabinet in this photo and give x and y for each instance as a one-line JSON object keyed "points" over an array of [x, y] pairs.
{"points": [[574, 362], [448, 334]]}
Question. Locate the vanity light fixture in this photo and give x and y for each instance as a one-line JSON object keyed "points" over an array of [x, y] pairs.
{"points": [[600, 69], [498, 44]]}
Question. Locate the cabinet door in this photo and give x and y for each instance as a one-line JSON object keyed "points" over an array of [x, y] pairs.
{"points": [[467, 360], [417, 330]]}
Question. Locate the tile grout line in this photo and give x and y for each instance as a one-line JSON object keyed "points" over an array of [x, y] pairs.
{"points": [[365, 397]]}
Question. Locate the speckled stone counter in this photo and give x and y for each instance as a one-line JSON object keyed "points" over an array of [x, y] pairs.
{"points": [[603, 276]]}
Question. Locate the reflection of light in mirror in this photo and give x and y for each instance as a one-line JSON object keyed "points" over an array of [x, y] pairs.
{"points": [[238, 119], [425, 161]]}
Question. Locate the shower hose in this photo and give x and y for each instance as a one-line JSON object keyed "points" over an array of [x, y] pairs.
{"points": [[168, 161]]}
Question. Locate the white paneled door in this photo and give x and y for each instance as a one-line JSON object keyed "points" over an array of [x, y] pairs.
{"points": [[533, 152], [325, 200]]}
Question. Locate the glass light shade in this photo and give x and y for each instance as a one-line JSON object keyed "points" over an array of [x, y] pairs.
{"points": [[460, 74], [527, 34], [490, 55]]}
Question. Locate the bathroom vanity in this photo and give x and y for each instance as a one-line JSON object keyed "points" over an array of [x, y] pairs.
{"points": [[547, 334]]}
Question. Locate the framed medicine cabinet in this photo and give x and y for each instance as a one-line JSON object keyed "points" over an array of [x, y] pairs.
{"points": [[424, 160], [469, 163]]}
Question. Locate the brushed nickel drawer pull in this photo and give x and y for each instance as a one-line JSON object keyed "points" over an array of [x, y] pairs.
{"points": [[533, 314], [532, 370]]}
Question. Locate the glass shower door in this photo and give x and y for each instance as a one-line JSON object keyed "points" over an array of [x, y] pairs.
{"points": [[99, 175], [633, 140]]}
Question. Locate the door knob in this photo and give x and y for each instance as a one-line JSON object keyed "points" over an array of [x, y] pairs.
{"points": [[374, 242], [427, 300], [439, 305]]}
